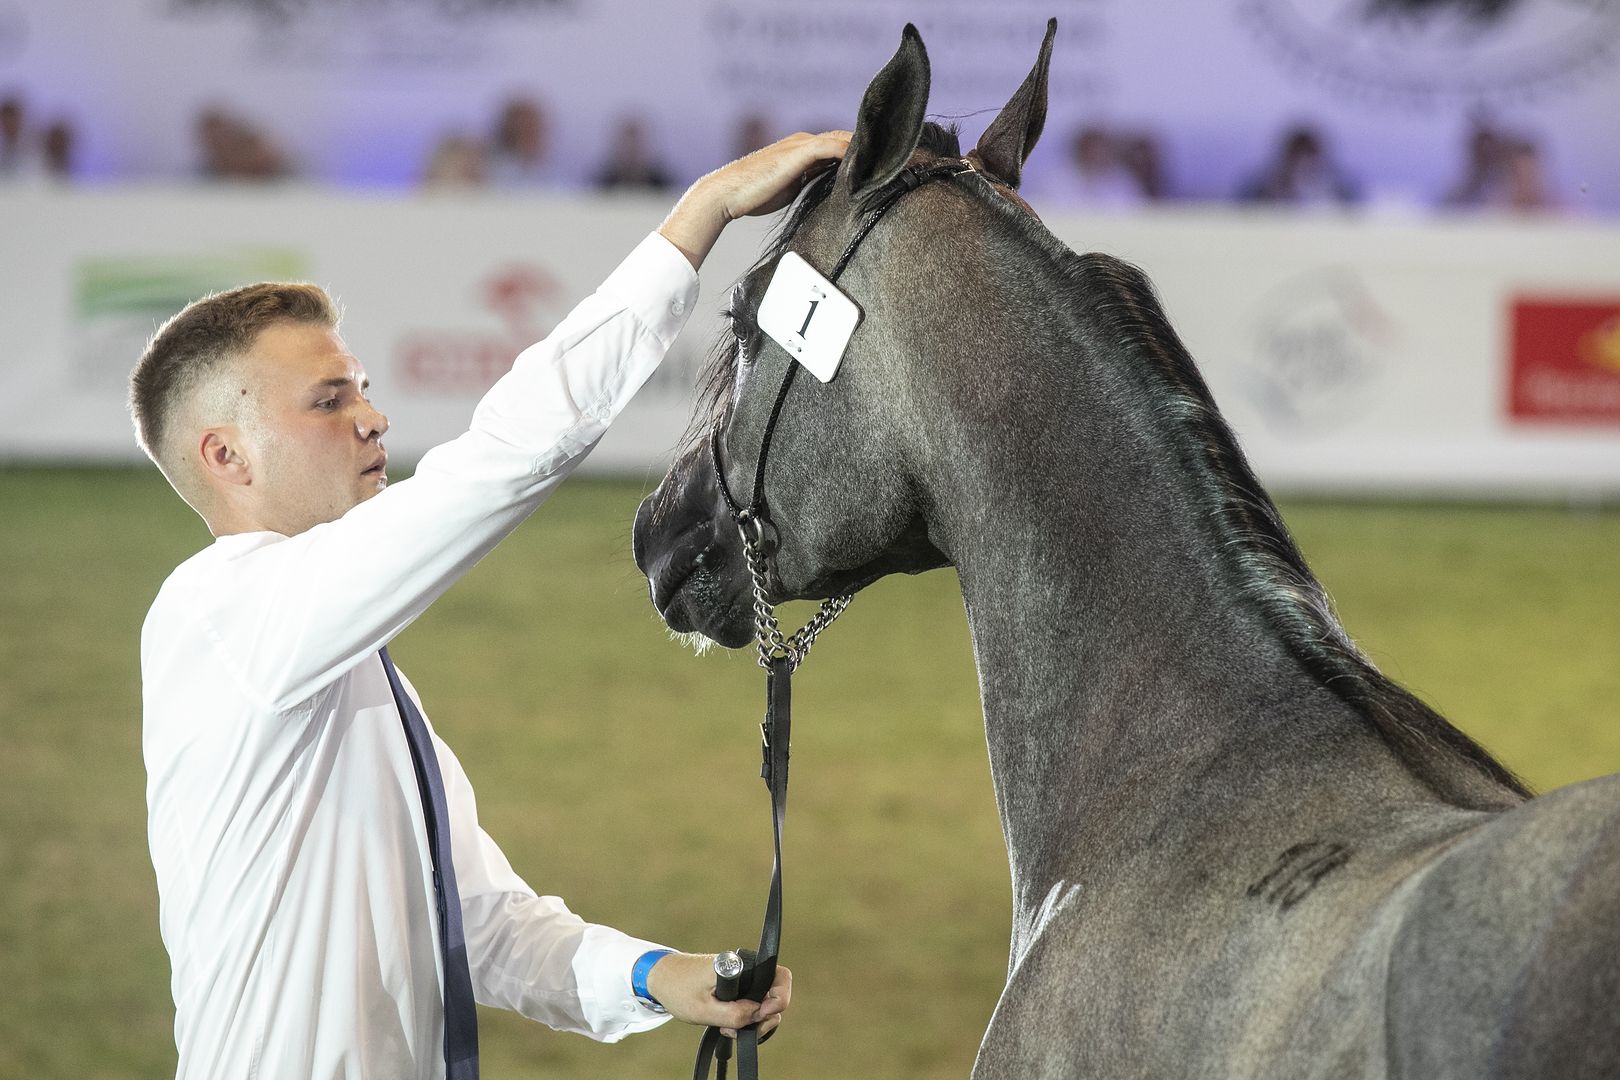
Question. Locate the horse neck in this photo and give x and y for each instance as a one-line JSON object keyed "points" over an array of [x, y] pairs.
{"points": [[1118, 654], [1113, 660]]}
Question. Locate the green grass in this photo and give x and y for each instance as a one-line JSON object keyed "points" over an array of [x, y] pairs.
{"points": [[618, 771]]}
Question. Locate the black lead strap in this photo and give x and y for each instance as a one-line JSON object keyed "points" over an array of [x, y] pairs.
{"points": [[759, 968]]}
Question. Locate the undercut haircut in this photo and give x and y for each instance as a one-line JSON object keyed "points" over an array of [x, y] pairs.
{"points": [[200, 341]]}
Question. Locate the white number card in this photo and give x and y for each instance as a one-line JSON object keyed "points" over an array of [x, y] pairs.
{"points": [[806, 314]]}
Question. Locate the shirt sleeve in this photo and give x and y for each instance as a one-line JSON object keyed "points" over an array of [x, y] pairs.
{"points": [[303, 610], [530, 953]]}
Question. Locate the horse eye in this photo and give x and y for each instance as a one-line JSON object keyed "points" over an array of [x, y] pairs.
{"points": [[747, 336]]}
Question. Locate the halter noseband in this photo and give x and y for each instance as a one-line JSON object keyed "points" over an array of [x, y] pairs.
{"points": [[752, 522]]}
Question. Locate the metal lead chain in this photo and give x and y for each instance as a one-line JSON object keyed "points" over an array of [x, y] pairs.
{"points": [[772, 643]]}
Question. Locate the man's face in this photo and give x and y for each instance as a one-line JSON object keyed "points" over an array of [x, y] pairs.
{"points": [[314, 440]]}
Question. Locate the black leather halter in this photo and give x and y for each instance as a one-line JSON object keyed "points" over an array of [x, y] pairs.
{"points": [[759, 968], [910, 179]]}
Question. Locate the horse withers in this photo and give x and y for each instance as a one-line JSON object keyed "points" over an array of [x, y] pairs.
{"points": [[1237, 849]]}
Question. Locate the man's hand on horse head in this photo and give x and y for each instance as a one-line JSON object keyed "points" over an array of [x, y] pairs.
{"points": [[760, 183], [683, 983]]}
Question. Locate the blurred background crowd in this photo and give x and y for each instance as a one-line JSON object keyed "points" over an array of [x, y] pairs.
{"points": [[1102, 168]]}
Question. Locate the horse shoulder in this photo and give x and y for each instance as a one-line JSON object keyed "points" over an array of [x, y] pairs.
{"points": [[1507, 962]]}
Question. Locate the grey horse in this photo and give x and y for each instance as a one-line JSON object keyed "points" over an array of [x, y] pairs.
{"points": [[1237, 849]]}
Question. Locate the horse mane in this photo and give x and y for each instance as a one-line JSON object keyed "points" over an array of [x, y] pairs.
{"points": [[1265, 562], [1259, 551]]}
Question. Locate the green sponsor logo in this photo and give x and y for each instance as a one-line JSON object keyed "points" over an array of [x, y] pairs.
{"points": [[118, 303]]}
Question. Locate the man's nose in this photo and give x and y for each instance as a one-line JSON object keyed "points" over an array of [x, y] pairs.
{"points": [[372, 422]]}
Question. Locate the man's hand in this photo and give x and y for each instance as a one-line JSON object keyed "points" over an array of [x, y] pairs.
{"points": [[764, 181], [683, 983]]}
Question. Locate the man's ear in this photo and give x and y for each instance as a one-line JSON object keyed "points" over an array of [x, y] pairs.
{"points": [[222, 458]]}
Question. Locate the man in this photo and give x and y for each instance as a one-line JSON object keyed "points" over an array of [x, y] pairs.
{"points": [[329, 902]]}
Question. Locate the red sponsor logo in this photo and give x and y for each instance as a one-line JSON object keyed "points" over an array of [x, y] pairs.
{"points": [[468, 363], [1565, 361]]}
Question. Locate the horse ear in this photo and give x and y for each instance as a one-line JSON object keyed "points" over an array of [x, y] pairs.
{"points": [[1006, 143], [891, 118]]}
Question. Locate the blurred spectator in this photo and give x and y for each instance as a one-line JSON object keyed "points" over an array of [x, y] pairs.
{"points": [[1484, 174], [1099, 176], [1301, 173], [13, 129], [230, 148], [1526, 186], [1140, 153], [29, 155], [631, 163], [458, 162], [1501, 171], [214, 131], [19, 154], [753, 132], [517, 153], [57, 151]]}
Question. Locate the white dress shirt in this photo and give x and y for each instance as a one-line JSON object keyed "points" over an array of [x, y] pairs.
{"points": [[295, 885]]}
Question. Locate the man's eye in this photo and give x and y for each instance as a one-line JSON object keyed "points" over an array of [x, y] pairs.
{"points": [[329, 404]]}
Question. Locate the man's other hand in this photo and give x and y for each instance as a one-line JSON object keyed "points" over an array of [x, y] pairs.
{"points": [[764, 181], [683, 983]]}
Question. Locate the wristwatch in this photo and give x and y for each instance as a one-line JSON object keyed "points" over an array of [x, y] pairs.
{"points": [[638, 978]]}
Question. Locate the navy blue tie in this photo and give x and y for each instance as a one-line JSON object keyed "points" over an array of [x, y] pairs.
{"points": [[460, 1012]]}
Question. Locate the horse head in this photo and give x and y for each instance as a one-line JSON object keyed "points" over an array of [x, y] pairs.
{"points": [[834, 467]]}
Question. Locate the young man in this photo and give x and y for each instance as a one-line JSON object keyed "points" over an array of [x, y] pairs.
{"points": [[329, 902]]}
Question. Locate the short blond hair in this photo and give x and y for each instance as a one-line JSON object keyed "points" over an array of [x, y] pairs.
{"points": [[201, 340]]}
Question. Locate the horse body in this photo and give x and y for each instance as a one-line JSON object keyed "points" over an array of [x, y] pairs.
{"points": [[1236, 850]]}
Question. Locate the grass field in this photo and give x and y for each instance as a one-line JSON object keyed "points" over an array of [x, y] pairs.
{"points": [[617, 770]]}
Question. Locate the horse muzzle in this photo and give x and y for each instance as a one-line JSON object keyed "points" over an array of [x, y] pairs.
{"points": [[692, 556]]}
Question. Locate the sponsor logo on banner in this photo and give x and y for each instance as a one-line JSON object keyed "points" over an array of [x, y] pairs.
{"points": [[526, 303], [1320, 347], [524, 299], [1565, 361], [786, 54], [1419, 53], [372, 33], [118, 303]]}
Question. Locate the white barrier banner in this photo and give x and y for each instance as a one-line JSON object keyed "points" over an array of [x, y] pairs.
{"points": [[1478, 357]]}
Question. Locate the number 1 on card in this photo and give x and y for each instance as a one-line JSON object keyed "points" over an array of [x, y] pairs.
{"points": [[808, 316], [798, 296]]}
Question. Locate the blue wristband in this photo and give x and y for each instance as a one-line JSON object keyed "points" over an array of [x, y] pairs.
{"points": [[638, 977]]}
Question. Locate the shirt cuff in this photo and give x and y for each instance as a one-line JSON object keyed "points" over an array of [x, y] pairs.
{"points": [[658, 285], [602, 970]]}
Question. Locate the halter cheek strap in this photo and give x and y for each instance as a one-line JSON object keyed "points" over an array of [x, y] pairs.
{"points": [[909, 180]]}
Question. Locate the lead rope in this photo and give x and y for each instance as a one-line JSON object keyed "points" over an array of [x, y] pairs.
{"points": [[780, 655], [757, 969]]}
